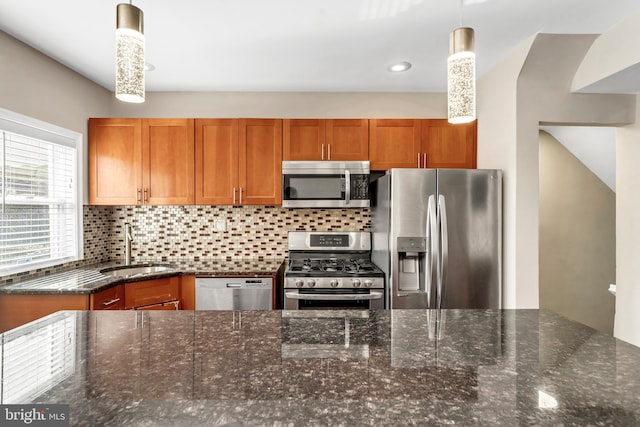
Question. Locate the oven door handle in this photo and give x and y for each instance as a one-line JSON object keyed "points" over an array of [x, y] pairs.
{"points": [[335, 297]]}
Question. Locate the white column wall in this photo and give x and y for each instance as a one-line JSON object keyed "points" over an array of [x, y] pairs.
{"points": [[627, 320], [497, 119]]}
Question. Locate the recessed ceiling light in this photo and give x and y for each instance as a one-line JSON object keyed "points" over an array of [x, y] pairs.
{"points": [[400, 66], [149, 66]]}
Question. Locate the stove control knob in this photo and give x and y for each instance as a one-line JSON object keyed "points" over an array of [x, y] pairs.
{"points": [[368, 283], [356, 283], [333, 283], [299, 283], [311, 283]]}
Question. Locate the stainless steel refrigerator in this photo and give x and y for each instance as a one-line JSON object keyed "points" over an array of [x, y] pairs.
{"points": [[437, 235]]}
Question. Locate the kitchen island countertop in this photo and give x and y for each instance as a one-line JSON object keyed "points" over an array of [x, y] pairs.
{"points": [[303, 368], [88, 279]]}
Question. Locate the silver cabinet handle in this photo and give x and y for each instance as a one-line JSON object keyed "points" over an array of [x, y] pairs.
{"points": [[237, 325], [328, 151], [234, 195], [335, 297], [425, 160], [108, 303], [240, 195], [145, 199], [138, 195], [418, 160], [322, 151]]}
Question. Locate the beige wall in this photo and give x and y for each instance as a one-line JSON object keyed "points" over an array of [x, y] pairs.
{"points": [[627, 323], [543, 96], [286, 105], [577, 238], [612, 54], [35, 85]]}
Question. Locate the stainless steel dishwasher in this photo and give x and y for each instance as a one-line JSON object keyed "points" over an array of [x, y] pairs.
{"points": [[234, 293]]}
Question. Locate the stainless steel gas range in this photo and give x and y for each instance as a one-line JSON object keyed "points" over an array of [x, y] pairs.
{"points": [[332, 270]]}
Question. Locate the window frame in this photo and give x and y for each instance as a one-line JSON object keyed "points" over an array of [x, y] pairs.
{"points": [[34, 128]]}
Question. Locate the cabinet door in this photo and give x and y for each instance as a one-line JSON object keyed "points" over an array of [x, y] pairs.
{"points": [[394, 143], [447, 145], [216, 161], [167, 147], [347, 139], [149, 292], [304, 139], [217, 373], [18, 309], [260, 166], [115, 161], [109, 299], [111, 372]]}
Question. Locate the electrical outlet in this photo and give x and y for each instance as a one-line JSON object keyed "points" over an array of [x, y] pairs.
{"points": [[220, 225]]}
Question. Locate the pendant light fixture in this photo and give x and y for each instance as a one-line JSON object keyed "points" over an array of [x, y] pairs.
{"points": [[461, 75], [129, 53]]}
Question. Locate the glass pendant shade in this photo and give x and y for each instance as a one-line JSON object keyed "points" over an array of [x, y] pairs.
{"points": [[461, 76], [129, 54]]}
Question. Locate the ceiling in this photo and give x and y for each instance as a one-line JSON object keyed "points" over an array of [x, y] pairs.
{"points": [[297, 45]]}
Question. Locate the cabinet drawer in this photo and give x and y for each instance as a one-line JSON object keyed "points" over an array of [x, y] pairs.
{"points": [[109, 299], [150, 292], [171, 305]]}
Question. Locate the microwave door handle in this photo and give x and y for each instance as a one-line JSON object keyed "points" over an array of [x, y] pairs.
{"points": [[347, 187]]}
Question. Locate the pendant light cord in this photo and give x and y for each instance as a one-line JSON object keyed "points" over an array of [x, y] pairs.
{"points": [[461, 4]]}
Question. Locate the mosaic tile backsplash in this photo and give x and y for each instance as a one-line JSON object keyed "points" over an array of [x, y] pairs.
{"points": [[189, 232], [194, 232]]}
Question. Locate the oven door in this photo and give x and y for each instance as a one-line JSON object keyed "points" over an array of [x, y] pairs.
{"points": [[333, 299]]}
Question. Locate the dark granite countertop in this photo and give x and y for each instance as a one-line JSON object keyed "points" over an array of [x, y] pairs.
{"points": [[89, 279], [323, 368]]}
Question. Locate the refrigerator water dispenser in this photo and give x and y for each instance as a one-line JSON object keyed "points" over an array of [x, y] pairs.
{"points": [[412, 255]]}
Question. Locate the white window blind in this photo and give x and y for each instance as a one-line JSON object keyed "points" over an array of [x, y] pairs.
{"points": [[40, 213], [37, 356]]}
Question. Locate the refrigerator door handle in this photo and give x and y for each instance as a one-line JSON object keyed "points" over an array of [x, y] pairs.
{"points": [[432, 239], [444, 242]]}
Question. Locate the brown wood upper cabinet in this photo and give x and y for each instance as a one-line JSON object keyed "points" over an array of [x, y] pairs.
{"points": [[238, 161], [326, 139], [141, 161], [445, 145], [430, 143], [393, 143]]}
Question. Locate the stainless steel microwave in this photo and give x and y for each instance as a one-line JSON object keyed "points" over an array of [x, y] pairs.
{"points": [[325, 184]]}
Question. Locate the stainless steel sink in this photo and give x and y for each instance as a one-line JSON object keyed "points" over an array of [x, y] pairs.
{"points": [[136, 270]]}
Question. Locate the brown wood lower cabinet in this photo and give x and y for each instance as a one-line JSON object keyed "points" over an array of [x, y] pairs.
{"points": [[152, 293], [146, 369], [18, 309], [109, 299], [237, 355], [172, 293]]}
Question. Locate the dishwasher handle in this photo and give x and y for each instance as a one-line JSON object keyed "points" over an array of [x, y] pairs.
{"points": [[219, 285], [234, 285]]}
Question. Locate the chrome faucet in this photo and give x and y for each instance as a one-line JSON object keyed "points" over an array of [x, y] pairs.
{"points": [[128, 238]]}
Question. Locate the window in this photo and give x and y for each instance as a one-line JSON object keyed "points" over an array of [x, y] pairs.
{"points": [[40, 194], [37, 356]]}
